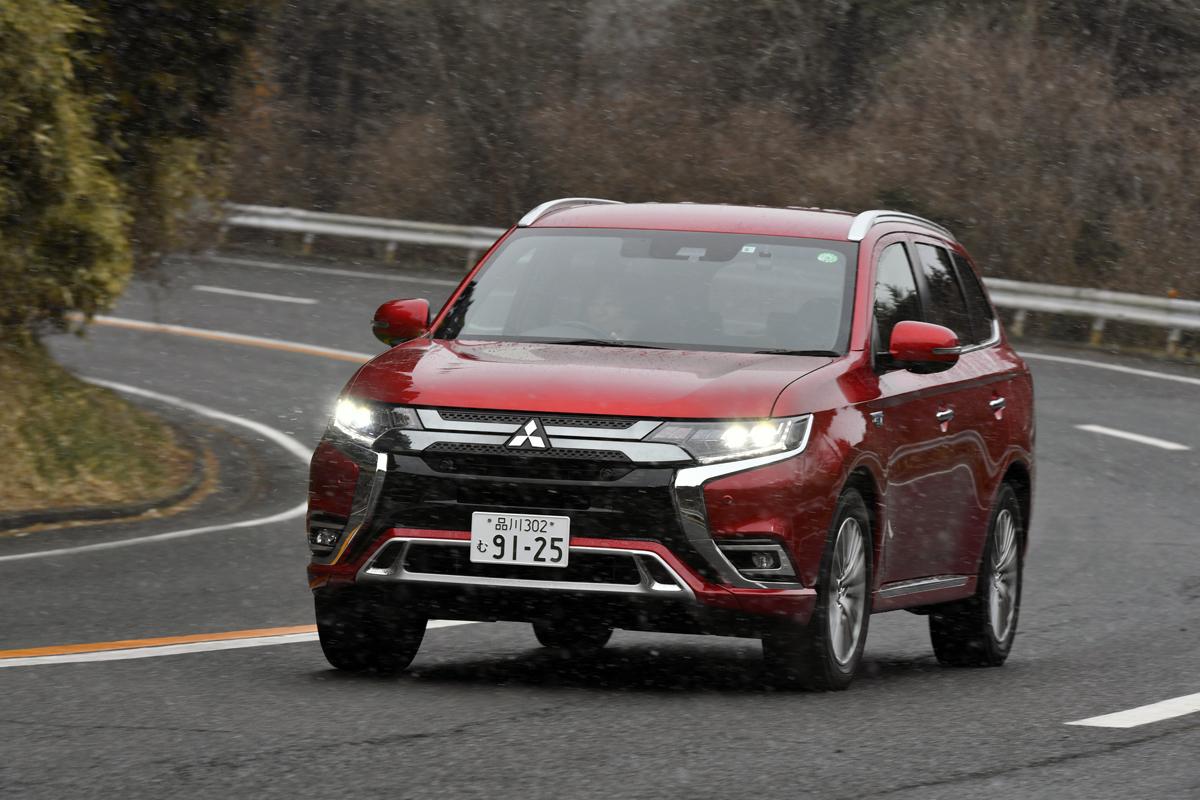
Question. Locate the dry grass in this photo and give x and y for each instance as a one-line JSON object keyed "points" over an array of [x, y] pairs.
{"points": [[69, 444]]}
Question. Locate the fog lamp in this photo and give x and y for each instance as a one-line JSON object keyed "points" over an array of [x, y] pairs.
{"points": [[763, 560], [324, 537]]}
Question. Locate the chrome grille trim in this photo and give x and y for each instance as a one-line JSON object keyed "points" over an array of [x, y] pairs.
{"points": [[487, 422], [518, 418], [647, 585]]}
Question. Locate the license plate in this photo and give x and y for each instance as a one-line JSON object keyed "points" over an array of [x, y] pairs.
{"points": [[531, 539]]}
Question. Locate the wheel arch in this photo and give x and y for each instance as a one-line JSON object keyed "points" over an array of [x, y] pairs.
{"points": [[866, 483], [1019, 476]]}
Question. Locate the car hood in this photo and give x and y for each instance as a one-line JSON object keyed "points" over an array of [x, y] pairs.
{"points": [[575, 379]]}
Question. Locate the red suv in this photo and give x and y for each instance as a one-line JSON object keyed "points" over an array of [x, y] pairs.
{"points": [[761, 422]]}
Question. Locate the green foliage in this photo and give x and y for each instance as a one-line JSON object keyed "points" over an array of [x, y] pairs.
{"points": [[62, 226], [108, 111], [161, 73]]}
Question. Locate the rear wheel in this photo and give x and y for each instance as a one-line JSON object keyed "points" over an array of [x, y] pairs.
{"points": [[979, 631], [577, 638], [364, 630], [824, 654]]}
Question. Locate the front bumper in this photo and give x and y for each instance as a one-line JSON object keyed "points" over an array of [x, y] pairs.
{"points": [[656, 565]]}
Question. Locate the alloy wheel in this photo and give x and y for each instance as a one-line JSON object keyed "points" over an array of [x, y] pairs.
{"points": [[848, 591], [1003, 576]]}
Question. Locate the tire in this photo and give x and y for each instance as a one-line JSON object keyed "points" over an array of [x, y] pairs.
{"points": [[979, 631], [824, 654], [574, 638], [363, 630]]}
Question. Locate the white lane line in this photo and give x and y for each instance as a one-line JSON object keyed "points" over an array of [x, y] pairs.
{"points": [[278, 298], [278, 437], [1134, 437], [232, 338], [183, 649], [1144, 715], [342, 273], [1145, 373]]}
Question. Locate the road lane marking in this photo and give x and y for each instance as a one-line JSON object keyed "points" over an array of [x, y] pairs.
{"points": [[233, 338], [1144, 715], [342, 273], [129, 649], [276, 436], [1134, 437], [1145, 373], [278, 298]]}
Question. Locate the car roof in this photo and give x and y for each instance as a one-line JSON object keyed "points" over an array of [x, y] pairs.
{"points": [[712, 218]]}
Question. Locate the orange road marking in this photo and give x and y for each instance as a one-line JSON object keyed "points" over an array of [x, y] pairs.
{"points": [[162, 641], [231, 338]]}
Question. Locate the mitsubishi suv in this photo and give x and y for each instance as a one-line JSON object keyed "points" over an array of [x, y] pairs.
{"points": [[705, 419]]}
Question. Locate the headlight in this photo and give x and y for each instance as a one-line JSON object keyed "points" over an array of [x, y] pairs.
{"points": [[367, 421], [709, 442]]}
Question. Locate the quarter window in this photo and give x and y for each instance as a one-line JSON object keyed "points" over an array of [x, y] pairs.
{"points": [[946, 304], [977, 302], [896, 296]]}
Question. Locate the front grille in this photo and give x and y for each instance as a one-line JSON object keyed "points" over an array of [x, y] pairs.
{"points": [[496, 460], [633, 502], [583, 567], [508, 452], [637, 505], [608, 423]]}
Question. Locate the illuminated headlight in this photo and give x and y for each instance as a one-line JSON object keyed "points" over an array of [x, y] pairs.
{"points": [[367, 421], [709, 442]]}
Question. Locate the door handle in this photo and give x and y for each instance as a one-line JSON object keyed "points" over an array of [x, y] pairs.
{"points": [[945, 415], [997, 403]]}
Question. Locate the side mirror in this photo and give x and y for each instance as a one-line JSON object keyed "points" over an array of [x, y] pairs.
{"points": [[923, 347], [400, 320]]}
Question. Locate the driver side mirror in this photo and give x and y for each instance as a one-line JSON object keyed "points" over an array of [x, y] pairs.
{"points": [[923, 347], [398, 321]]}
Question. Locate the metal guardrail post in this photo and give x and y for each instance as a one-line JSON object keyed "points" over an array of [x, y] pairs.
{"points": [[1018, 322], [1174, 337], [1097, 334]]}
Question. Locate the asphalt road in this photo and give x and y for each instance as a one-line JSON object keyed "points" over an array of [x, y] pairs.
{"points": [[1110, 618]]}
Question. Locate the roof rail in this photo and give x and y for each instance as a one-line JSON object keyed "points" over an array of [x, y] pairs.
{"points": [[866, 220], [558, 205]]}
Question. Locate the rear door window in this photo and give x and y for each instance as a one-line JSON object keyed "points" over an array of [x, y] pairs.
{"points": [[946, 303], [982, 318]]}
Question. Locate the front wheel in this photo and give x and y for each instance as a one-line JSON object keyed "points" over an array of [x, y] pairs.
{"points": [[825, 654], [979, 631], [363, 630]]}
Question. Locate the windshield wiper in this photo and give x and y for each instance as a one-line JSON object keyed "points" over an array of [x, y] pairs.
{"points": [[606, 343], [784, 352]]}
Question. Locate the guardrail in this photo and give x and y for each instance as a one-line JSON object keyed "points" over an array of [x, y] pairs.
{"points": [[1100, 305], [1022, 298], [392, 232]]}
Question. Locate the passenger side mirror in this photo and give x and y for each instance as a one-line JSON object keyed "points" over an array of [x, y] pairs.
{"points": [[923, 347], [400, 320]]}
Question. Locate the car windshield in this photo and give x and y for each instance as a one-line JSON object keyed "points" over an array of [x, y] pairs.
{"points": [[670, 289]]}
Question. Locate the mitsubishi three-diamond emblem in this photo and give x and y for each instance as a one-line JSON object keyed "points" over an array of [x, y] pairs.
{"points": [[531, 435]]}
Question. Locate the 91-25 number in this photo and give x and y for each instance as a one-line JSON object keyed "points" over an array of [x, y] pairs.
{"points": [[500, 542]]}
